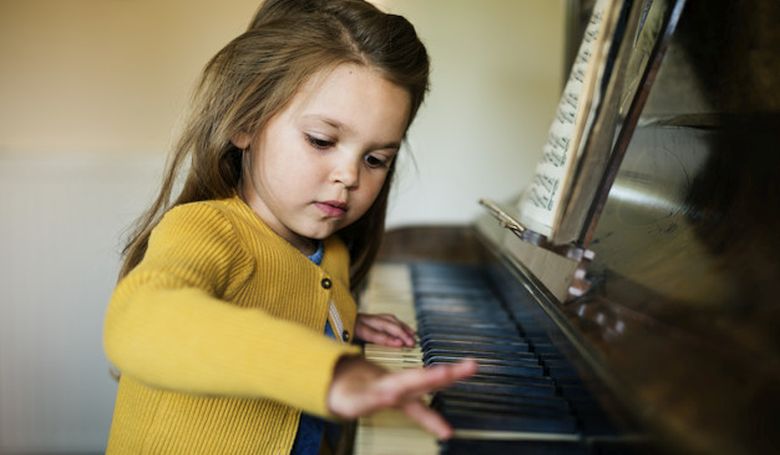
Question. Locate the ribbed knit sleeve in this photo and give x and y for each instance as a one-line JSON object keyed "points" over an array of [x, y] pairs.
{"points": [[169, 327]]}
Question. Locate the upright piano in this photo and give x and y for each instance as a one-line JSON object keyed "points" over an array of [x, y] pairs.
{"points": [[674, 345]]}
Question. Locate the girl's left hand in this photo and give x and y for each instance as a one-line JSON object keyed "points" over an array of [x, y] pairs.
{"points": [[384, 329]]}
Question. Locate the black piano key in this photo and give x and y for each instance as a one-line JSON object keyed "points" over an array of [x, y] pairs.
{"points": [[481, 329], [557, 361], [562, 372], [545, 382], [504, 407], [567, 381], [491, 385], [551, 357], [459, 303], [470, 336], [440, 269], [450, 305], [461, 308], [499, 421], [448, 321], [446, 302], [503, 370], [480, 347], [431, 348], [483, 360], [597, 425], [429, 270], [456, 313], [545, 348], [484, 337], [541, 342], [462, 317], [487, 447], [477, 328], [460, 314], [530, 381], [517, 400], [434, 291], [468, 278], [485, 300], [467, 353], [578, 393], [460, 283]]}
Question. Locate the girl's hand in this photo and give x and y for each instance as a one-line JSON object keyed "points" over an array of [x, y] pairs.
{"points": [[360, 388], [384, 329]]}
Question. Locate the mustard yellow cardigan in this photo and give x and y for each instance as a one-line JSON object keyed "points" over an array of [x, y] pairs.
{"points": [[218, 334]]}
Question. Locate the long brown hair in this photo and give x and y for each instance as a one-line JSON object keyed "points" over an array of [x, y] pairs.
{"points": [[255, 76]]}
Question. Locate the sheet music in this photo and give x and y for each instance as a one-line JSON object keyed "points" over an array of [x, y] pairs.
{"points": [[540, 205], [640, 35]]}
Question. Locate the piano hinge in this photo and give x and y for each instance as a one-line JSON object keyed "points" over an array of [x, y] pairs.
{"points": [[580, 284]]}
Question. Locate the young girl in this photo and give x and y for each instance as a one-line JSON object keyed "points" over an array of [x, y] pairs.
{"points": [[224, 319]]}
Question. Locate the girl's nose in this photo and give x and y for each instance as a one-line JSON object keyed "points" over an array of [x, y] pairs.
{"points": [[347, 172]]}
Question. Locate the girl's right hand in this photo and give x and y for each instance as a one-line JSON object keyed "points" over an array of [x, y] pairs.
{"points": [[360, 388]]}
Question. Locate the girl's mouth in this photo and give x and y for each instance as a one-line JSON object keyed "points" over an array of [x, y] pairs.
{"points": [[334, 209]]}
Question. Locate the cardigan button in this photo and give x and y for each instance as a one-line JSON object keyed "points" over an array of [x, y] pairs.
{"points": [[326, 283], [345, 336]]}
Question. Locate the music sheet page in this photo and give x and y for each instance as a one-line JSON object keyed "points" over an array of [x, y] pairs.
{"points": [[541, 202]]}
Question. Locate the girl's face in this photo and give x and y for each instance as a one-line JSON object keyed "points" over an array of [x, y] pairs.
{"points": [[319, 164]]}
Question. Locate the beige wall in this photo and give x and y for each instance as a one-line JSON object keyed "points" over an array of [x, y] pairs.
{"points": [[104, 76], [495, 84], [90, 91]]}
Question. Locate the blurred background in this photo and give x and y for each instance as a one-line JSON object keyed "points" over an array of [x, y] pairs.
{"points": [[91, 98]]}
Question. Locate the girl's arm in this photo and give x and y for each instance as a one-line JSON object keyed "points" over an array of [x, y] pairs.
{"points": [[360, 387], [166, 327]]}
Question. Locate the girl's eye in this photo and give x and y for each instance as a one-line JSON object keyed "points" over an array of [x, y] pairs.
{"points": [[374, 161], [318, 143]]}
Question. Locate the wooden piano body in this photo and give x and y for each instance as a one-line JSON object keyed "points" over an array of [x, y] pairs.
{"points": [[678, 337]]}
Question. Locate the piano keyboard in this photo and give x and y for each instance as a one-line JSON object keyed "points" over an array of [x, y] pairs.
{"points": [[526, 396]]}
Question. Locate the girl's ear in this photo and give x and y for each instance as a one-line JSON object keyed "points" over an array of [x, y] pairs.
{"points": [[241, 140]]}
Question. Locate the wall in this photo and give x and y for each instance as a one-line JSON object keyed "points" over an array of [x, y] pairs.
{"points": [[91, 94], [495, 84]]}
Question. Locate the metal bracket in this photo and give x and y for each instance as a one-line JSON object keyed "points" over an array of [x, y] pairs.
{"points": [[583, 256]]}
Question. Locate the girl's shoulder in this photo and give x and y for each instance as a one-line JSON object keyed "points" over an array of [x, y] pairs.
{"points": [[229, 211], [228, 218], [199, 234], [200, 212], [206, 221]]}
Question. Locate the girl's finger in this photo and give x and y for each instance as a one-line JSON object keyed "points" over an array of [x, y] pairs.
{"points": [[372, 335], [390, 327], [389, 317], [394, 319], [411, 384], [428, 419]]}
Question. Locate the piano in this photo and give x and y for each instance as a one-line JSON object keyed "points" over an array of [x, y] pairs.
{"points": [[674, 347]]}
